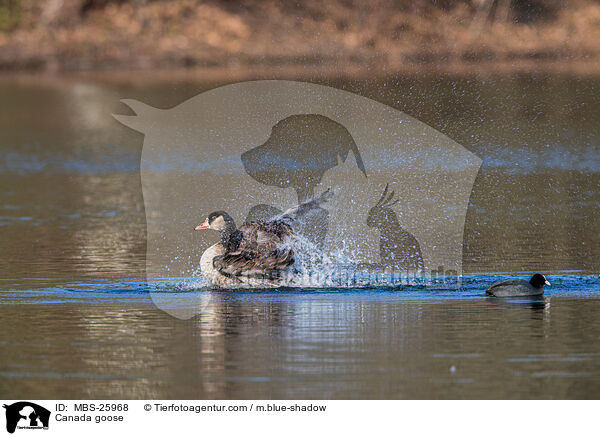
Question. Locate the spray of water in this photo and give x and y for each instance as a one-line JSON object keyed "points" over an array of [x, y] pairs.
{"points": [[317, 268]]}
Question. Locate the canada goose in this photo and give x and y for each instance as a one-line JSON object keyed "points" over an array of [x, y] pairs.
{"points": [[258, 252]]}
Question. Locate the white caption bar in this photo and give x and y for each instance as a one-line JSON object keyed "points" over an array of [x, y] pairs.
{"points": [[161, 417]]}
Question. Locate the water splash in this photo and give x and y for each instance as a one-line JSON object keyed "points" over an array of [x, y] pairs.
{"points": [[316, 268]]}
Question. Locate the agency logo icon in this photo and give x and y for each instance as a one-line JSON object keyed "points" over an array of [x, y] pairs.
{"points": [[26, 415]]}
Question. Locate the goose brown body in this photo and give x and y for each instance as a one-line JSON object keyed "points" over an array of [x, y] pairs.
{"points": [[263, 251]]}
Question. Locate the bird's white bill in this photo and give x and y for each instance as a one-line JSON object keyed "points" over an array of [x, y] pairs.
{"points": [[203, 226]]}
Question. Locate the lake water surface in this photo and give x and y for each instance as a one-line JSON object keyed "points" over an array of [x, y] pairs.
{"points": [[78, 321]]}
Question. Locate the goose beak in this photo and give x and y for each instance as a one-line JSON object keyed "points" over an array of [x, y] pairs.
{"points": [[202, 226], [547, 283]]}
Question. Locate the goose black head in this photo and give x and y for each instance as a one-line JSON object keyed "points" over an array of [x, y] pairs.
{"points": [[538, 281], [219, 221]]}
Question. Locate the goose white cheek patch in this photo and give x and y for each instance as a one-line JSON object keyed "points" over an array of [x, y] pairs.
{"points": [[254, 149]]}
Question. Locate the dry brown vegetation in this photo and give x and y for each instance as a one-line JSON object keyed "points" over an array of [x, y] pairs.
{"points": [[118, 34]]}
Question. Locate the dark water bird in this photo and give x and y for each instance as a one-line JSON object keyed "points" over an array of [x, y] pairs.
{"points": [[258, 252], [398, 248], [518, 287]]}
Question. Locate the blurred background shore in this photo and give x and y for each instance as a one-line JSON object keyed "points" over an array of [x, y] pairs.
{"points": [[343, 35]]}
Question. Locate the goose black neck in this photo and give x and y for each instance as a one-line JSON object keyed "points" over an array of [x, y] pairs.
{"points": [[230, 235]]}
